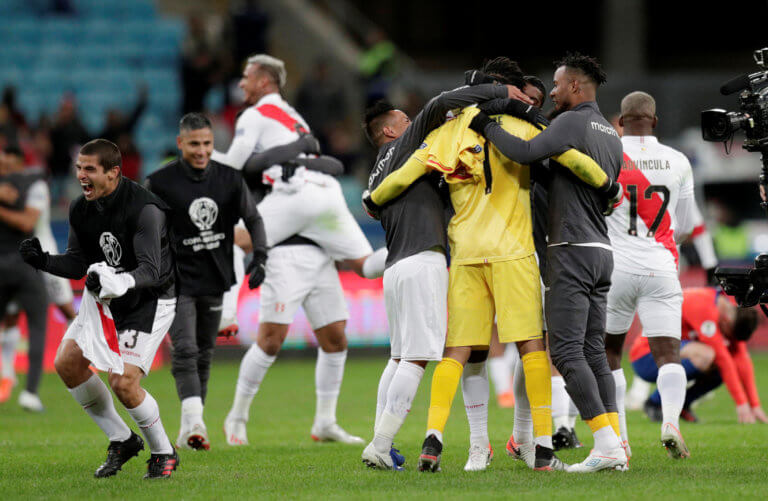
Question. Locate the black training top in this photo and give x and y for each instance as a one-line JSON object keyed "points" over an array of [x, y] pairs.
{"points": [[417, 220], [205, 205], [128, 230]]}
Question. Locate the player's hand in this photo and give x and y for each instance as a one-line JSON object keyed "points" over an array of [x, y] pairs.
{"points": [[32, 253], [612, 192], [309, 144], [8, 193], [370, 207], [519, 109], [256, 270], [93, 282], [289, 169], [711, 278], [515, 93], [479, 122], [759, 414], [762, 192], [744, 414]]}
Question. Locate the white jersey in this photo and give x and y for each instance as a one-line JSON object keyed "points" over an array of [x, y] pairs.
{"points": [[657, 209], [39, 197], [270, 122]]}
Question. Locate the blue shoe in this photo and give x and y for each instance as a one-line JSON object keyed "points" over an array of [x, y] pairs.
{"points": [[397, 458]]}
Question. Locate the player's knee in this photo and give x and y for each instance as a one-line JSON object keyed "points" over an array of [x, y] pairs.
{"points": [[702, 357], [125, 386], [270, 345]]}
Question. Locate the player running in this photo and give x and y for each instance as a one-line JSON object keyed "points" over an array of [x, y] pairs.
{"points": [[206, 199], [303, 246], [118, 234], [713, 350]]}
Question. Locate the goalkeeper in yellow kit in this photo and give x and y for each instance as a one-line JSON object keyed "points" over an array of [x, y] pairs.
{"points": [[493, 268]]}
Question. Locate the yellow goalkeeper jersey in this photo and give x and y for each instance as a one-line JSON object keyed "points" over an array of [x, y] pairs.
{"points": [[492, 220]]}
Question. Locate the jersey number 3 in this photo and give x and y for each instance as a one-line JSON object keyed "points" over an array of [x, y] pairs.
{"points": [[647, 195]]}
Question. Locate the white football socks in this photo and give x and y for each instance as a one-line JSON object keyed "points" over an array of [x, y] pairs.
{"points": [[560, 403], [329, 372], [621, 391], [606, 440], [191, 412], [96, 400], [373, 266], [522, 431], [147, 416], [253, 368], [671, 383], [381, 395], [401, 392], [475, 389], [9, 338], [501, 374]]}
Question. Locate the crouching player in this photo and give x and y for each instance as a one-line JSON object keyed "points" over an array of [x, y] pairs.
{"points": [[713, 350], [118, 222]]}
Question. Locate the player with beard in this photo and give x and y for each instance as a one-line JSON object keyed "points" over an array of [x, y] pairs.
{"points": [[206, 200], [303, 246], [122, 228], [579, 255]]}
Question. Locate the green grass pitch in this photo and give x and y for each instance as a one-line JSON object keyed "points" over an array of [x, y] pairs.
{"points": [[53, 455]]}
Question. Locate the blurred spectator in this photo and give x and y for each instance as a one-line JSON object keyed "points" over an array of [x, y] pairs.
{"points": [[377, 66], [730, 236], [118, 124], [320, 100], [201, 59], [67, 135], [249, 31], [7, 127], [9, 101]]}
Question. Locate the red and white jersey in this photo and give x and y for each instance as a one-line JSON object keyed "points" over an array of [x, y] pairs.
{"points": [[657, 207], [270, 122]]}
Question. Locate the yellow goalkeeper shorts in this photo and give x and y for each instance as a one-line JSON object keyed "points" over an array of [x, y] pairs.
{"points": [[508, 290]]}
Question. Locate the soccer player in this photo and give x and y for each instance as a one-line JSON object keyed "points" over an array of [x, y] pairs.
{"points": [[579, 257], [491, 245], [659, 211], [206, 200], [19, 282], [713, 350], [303, 247], [416, 278], [118, 222]]}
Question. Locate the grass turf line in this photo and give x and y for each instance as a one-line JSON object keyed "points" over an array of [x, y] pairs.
{"points": [[54, 455]]}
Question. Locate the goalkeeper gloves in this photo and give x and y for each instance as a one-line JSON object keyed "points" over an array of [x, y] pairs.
{"points": [[612, 193], [370, 207], [256, 270]]}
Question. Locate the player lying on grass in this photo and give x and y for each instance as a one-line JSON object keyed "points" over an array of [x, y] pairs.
{"points": [[713, 351]]}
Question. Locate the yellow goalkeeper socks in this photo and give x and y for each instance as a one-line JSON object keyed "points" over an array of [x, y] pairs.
{"points": [[445, 381], [613, 418], [538, 386]]}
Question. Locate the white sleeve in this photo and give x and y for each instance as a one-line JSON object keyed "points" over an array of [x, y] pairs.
{"points": [[686, 210], [247, 131], [38, 196]]}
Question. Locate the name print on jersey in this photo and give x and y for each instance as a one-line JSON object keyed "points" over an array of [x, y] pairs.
{"points": [[111, 248], [203, 213], [651, 164]]}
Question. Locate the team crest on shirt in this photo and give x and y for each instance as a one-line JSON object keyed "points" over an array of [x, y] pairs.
{"points": [[203, 213], [110, 246], [708, 328], [477, 149]]}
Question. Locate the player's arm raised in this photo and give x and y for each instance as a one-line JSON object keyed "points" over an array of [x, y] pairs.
{"points": [[72, 264]]}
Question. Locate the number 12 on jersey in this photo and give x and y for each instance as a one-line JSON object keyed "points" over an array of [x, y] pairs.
{"points": [[647, 205]]}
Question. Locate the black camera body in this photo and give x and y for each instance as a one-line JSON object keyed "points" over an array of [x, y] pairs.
{"points": [[749, 286]]}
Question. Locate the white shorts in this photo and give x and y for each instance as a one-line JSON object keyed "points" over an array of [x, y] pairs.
{"points": [[301, 275], [229, 301], [318, 212], [658, 301], [139, 348], [416, 298], [58, 288]]}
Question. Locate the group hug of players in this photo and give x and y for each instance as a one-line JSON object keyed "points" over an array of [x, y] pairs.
{"points": [[168, 257]]}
